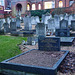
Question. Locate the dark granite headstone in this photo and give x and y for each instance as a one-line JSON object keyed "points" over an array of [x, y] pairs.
{"points": [[62, 32], [49, 43]]}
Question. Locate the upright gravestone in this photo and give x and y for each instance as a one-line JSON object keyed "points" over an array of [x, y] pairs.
{"points": [[49, 43], [18, 22], [33, 20], [43, 19], [27, 23], [41, 29], [51, 25], [13, 26], [66, 17], [1, 24], [61, 16], [6, 28], [37, 19], [73, 25], [64, 30], [8, 20], [64, 24], [56, 21]]}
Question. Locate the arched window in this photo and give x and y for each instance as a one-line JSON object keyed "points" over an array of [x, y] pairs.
{"points": [[70, 2], [39, 6], [2, 2], [28, 6], [33, 7], [60, 4]]}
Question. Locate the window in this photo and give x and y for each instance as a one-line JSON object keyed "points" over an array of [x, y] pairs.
{"points": [[70, 2], [2, 2], [39, 6], [28, 7], [33, 7], [60, 4], [48, 5]]}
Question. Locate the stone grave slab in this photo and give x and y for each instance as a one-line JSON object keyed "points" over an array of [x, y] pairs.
{"points": [[30, 62], [66, 41]]}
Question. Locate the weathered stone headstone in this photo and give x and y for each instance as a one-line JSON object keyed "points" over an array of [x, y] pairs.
{"points": [[70, 18], [51, 25], [33, 20], [41, 29], [64, 24], [8, 20], [56, 20], [49, 43], [13, 26], [73, 25], [66, 17], [61, 16], [6, 28], [37, 19], [18, 22], [31, 39], [1, 24], [27, 23], [43, 19], [63, 31]]}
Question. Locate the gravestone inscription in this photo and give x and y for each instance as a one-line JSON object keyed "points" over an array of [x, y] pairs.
{"points": [[49, 43]]}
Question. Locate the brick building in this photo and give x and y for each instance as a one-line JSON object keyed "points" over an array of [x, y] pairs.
{"points": [[23, 5]]}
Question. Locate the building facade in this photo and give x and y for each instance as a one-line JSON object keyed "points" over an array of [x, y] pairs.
{"points": [[25, 5]]}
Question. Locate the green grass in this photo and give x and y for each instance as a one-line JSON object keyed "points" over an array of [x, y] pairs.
{"points": [[8, 46]]}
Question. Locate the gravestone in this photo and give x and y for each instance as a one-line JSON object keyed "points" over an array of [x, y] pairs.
{"points": [[70, 18], [56, 21], [8, 20], [49, 43], [63, 24], [66, 17], [73, 25], [41, 29], [27, 23], [31, 39], [6, 28], [33, 20], [43, 19], [18, 22], [51, 25], [37, 19], [1, 24], [66, 41], [13, 26], [61, 16], [63, 31]]}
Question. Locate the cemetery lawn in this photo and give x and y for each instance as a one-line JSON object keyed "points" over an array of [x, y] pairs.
{"points": [[8, 46]]}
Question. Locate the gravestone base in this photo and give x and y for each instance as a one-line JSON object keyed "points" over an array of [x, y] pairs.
{"points": [[62, 32], [14, 33], [66, 41], [1, 32]]}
